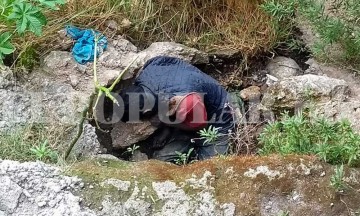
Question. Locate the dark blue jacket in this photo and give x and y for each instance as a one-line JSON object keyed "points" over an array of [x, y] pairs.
{"points": [[173, 76]]}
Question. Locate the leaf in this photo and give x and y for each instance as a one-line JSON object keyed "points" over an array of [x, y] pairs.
{"points": [[52, 4], [35, 25], [28, 17], [6, 47]]}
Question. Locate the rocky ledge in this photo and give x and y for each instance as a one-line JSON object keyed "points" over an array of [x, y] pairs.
{"points": [[221, 186]]}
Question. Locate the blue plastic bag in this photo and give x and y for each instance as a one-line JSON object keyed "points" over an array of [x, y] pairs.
{"points": [[83, 50]]}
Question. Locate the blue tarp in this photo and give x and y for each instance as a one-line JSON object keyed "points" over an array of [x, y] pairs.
{"points": [[83, 50]]}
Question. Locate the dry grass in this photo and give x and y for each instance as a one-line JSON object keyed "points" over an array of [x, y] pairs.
{"points": [[204, 24]]}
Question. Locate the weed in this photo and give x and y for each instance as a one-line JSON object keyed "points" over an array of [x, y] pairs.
{"points": [[332, 142], [22, 16], [44, 153], [183, 158], [335, 25], [210, 134], [17, 144], [336, 180], [131, 150]]}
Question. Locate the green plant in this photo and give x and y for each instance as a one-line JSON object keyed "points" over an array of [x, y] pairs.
{"points": [[332, 142], [44, 153], [22, 16], [336, 179], [284, 213], [16, 144], [336, 25], [183, 158], [131, 150], [281, 10], [210, 134]]}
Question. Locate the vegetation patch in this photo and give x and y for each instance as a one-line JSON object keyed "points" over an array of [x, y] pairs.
{"points": [[31, 143], [335, 23], [209, 25], [333, 142]]}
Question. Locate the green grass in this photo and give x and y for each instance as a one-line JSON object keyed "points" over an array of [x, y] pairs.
{"points": [[28, 144], [332, 142], [337, 26], [336, 180]]}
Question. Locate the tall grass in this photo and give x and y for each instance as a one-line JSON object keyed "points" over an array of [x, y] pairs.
{"points": [[207, 24]]}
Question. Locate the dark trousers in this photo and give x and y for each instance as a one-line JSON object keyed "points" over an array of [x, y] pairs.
{"points": [[182, 141]]}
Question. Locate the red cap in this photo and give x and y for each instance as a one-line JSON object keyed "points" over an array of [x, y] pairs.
{"points": [[191, 112]]}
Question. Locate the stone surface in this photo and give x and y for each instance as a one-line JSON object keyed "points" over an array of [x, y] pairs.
{"points": [[251, 93], [349, 110], [11, 193], [351, 77], [226, 187], [88, 143], [293, 92], [282, 67], [127, 134], [34, 188], [139, 156]]}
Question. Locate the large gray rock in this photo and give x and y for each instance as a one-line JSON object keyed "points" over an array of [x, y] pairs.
{"points": [[293, 92], [127, 134], [112, 59], [282, 67]]}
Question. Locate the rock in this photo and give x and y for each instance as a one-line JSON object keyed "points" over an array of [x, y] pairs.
{"points": [[258, 186], [10, 194], [74, 80], [111, 24], [251, 93], [39, 181], [127, 134], [57, 60], [292, 92], [336, 111], [106, 157], [88, 143], [139, 156], [185, 53], [282, 67], [120, 185], [114, 59], [6, 77]]}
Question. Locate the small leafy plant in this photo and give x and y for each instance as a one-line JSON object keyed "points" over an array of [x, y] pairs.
{"points": [[131, 150], [183, 158], [336, 179], [22, 16], [44, 153], [332, 142], [209, 135]]}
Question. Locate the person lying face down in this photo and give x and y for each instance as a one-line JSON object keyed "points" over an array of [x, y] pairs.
{"points": [[184, 100]]}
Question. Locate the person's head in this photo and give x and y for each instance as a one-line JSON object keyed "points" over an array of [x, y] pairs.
{"points": [[137, 103], [189, 111]]}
